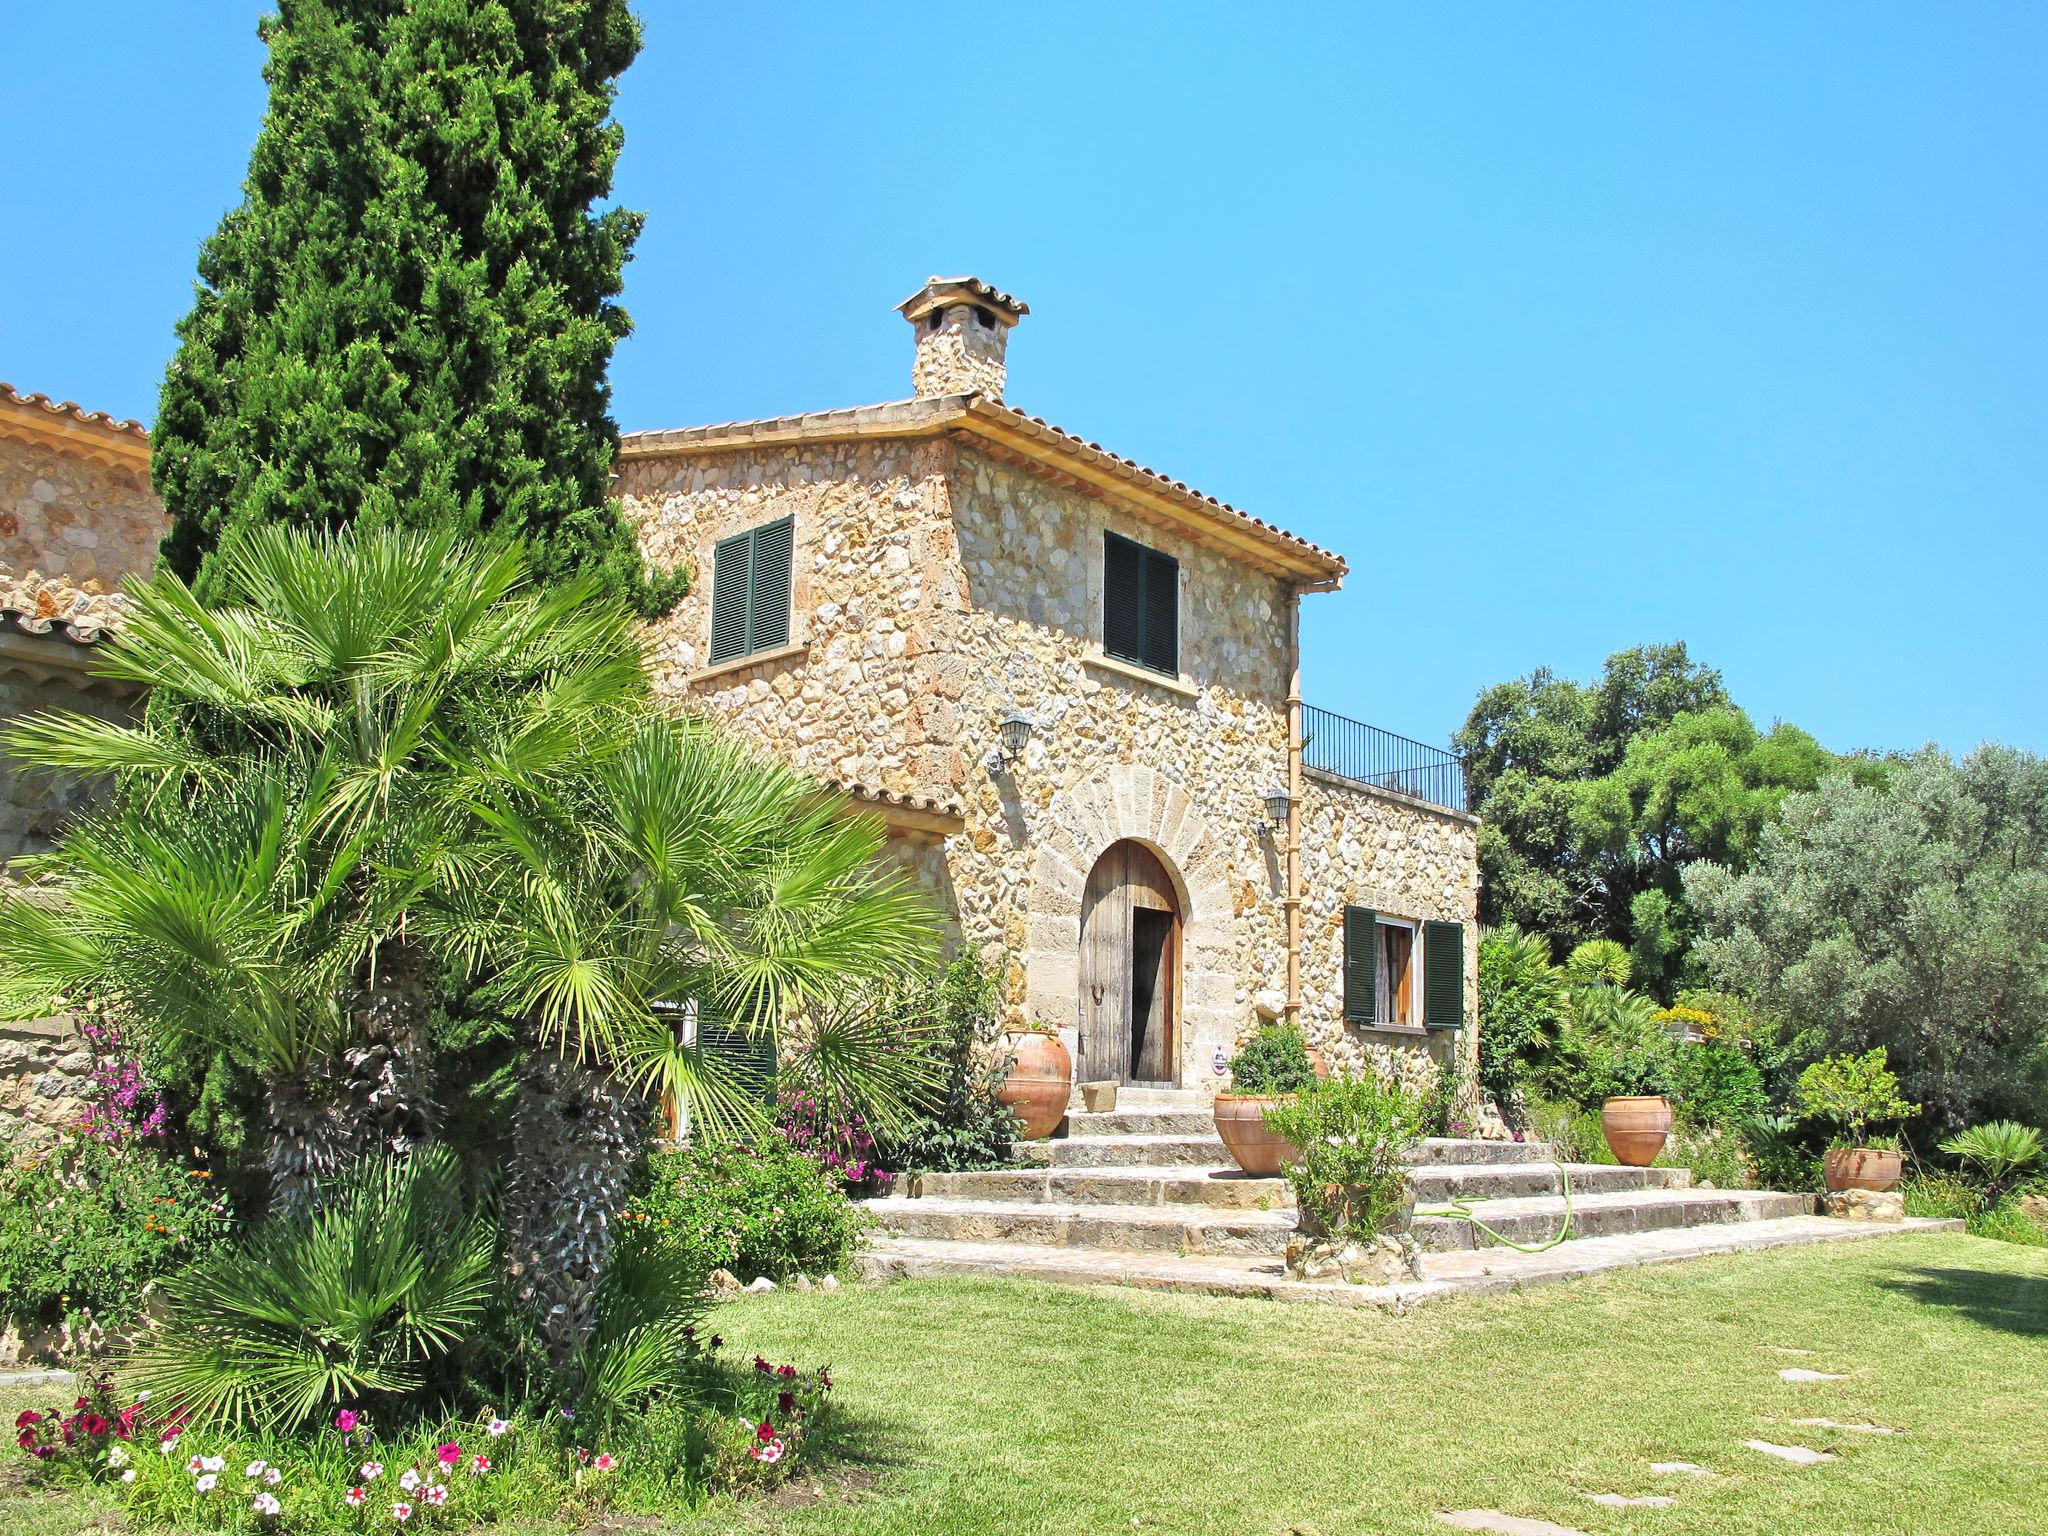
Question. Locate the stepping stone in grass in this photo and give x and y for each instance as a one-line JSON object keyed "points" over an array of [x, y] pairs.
{"points": [[1623, 1501], [1854, 1429], [1782, 1349], [1689, 1468], [1798, 1455], [1498, 1524], [1801, 1373]]}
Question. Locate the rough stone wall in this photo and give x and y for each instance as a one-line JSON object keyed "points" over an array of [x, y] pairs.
{"points": [[857, 695], [45, 1071], [1178, 764], [961, 357], [1403, 858], [72, 530], [33, 803]]}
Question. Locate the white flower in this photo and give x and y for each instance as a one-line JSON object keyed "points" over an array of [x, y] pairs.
{"points": [[167, 1445], [265, 1504], [401, 1512], [255, 1469], [372, 1469], [117, 1457], [128, 1476], [437, 1495], [215, 1463], [196, 1465], [204, 1482], [410, 1480], [142, 1397], [498, 1427]]}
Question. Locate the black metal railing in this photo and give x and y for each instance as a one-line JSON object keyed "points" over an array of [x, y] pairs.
{"points": [[1365, 754]]}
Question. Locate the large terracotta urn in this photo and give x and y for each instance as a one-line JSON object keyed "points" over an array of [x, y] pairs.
{"points": [[1635, 1128], [1040, 1082], [1254, 1145], [1873, 1168]]}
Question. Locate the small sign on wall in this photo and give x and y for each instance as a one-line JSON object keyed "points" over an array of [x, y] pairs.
{"points": [[1220, 1061]]}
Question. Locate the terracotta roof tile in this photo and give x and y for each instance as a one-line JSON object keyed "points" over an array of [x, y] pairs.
{"points": [[75, 411]]}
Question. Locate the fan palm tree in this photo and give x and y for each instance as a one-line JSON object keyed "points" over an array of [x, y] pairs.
{"points": [[285, 798], [681, 877]]}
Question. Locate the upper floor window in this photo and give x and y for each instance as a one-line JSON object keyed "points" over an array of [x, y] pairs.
{"points": [[750, 590], [1140, 604], [1385, 987]]}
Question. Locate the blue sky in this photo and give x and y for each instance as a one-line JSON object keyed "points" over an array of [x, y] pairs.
{"points": [[1572, 326]]}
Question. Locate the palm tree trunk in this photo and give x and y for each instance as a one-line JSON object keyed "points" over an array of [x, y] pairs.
{"points": [[578, 1135]]}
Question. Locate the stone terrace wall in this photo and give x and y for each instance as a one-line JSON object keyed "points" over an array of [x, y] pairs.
{"points": [[857, 696], [33, 804], [1399, 856], [45, 1070], [1179, 764]]}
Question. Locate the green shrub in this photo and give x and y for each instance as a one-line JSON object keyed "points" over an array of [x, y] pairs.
{"points": [[1853, 1093], [966, 1126], [1571, 1131], [769, 1210], [1716, 1086], [1715, 1156], [1521, 999], [1781, 1159], [358, 1305], [1599, 962], [84, 1227], [1354, 1135], [1949, 1196], [1274, 1061], [1999, 1153]]}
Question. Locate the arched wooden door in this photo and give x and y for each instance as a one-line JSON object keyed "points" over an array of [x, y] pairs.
{"points": [[1130, 968]]}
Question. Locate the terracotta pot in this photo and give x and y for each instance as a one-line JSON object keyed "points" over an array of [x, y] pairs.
{"points": [[1635, 1128], [1041, 1081], [1872, 1168], [1241, 1122], [1315, 1060]]}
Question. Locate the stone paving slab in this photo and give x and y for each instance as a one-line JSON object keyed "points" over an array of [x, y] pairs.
{"points": [[1474, 1273], [1798, 1455], [1122, 1228], [1619, 1212]]}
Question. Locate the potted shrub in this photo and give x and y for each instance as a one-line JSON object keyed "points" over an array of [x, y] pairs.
{"points": [[1268, 1070], [1040, 1081], [1350, 1177], [1635, 1115], [1855, 1093]]}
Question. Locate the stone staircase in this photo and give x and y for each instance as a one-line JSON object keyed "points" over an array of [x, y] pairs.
{"points": [[1146, 1195]]}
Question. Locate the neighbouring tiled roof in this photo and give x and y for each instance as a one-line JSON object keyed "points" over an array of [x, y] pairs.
{"points": [[38, 605], [67, 416], [988, 293], [1031, 437], [889, 798]]}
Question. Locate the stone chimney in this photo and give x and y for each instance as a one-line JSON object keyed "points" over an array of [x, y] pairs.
{"points": [[963, 328]]}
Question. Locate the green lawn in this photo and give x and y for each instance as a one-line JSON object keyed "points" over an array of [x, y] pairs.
{"points": [[997, 1407]]}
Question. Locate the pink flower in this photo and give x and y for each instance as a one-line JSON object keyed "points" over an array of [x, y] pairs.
{"points": [[195, 1466], [769, 1453], [401, 1513], [266, 1504], [370, 1471], [356, 1497], [479, 1465], [347, 1420], [604, 1462], [765, 1433], [438, 1495], [449, 1454]]}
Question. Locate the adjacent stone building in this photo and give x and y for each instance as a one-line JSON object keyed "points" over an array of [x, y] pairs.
{"points": [[77, 520], [1070, 684]]}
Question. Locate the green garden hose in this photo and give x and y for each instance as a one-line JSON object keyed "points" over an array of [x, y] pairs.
{"points": [[1460, 1209]]}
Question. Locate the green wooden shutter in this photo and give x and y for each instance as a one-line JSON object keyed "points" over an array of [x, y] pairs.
{"points": [[768, 607], [731, 580], [1123, 598], [1361, 963], [1162, 612], [746, 1061], [1443, 975]]}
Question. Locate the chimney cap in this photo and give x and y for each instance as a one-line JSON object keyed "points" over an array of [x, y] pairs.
{"points": [[940, 292]]}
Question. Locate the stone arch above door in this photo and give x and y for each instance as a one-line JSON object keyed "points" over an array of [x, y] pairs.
{"points": [[1130, 801]]}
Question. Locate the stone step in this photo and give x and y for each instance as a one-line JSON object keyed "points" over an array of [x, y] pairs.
{"points": [[1122, 1228], [1201, 1150], [1536, 1219], [1486, 1271], [1225, 1188], [1142, 1122], [1178, 1151], [1228, 1188]]}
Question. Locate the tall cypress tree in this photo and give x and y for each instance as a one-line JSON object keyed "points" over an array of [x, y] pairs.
{"points": [[409, 316]]}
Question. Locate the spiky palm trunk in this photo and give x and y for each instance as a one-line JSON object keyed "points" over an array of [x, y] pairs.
{"points": [[577, 1136]]}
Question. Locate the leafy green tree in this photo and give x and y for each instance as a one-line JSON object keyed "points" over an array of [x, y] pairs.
{"points": [[1528, 743], [408, 318], [1906, 916], [1521, 1001]]}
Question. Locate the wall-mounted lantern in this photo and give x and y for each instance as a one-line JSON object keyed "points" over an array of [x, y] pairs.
{"points": [[1277, 801], [1015, 735]]}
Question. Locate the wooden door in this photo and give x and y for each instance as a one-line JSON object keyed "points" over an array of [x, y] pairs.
{"points": [[1130, 966]]}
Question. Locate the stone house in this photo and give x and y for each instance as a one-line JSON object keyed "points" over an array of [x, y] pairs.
{"points": [[77, 520], [1071, 686]]}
